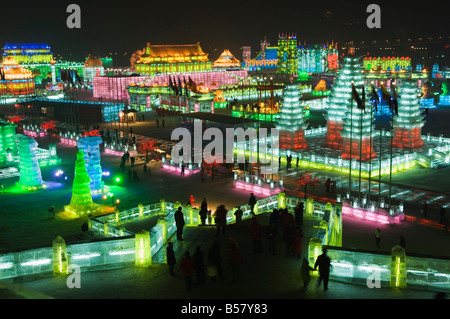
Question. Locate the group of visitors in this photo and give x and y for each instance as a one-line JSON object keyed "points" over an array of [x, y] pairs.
{"points": [[283, 226]]}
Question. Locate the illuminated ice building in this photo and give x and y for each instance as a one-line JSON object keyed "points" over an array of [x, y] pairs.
{"points": [[287, 61], [318, 58], [93, 67], [38, 58], [226, 61], [173, 59], [265, 60], [15, 80], [340, 98], [155, 90]]}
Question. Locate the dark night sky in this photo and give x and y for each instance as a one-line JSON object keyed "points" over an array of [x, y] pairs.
{"points": [[125, 26]]}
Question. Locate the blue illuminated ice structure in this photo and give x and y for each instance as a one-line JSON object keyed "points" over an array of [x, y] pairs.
{"points": [[30, 172], [90, 145]]}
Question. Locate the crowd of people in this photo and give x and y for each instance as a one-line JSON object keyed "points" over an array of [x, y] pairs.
{"points": [[283, 229]]}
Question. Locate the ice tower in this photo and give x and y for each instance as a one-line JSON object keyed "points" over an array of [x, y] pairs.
{"points": [[339, 100], [81, 203], [408, 124], [90, 145], [30, 172], [290, 121]]}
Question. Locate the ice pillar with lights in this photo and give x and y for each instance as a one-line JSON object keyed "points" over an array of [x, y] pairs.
{"points": [[30, 172], [408, 124], [356, 133], [81, 203], [90, 145], [341, 93], [290, 121]]}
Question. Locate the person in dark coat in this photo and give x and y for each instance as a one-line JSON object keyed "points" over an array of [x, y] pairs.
{"points": [[238, 213], [255, 229], [297, 244], [272, 235], [286, 219], [298, 212], [305, 273], [199, 265], [234, 260], [187, 267], [203, 211], [274, 219], [252, 203], [324, 263], [179, 222], [221, 219], [170, 255], [215, 260]]}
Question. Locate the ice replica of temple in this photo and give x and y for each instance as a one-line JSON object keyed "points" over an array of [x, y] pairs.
{"points": [[226, 61], [15, 80], [172, 59]]}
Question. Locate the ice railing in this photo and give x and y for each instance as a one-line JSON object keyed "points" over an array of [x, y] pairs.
{"points": [[118, 247], [367, 267]]}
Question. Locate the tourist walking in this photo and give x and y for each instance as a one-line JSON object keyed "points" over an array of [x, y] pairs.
{"points": [[221, 219], [182, 168], [145, 168], [215, 262], [297, 244], [187, 267], [274, 219], [170, 256], [203, 211], [323, 262], [234, 260], [252, 203], [272, 235], [238, 214], [305, 273], [199, 265], [286, 219], [255, 229], [298, 213], [179, 222]]}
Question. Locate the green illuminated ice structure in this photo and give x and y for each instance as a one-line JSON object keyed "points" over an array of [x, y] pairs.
{"points": [[81, 203], [8, 146], [30, 172], [90, 145]]}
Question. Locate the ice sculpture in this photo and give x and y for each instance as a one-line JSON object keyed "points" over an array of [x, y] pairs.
{"points": [[81, 203], [30, 172], [90, 145]]}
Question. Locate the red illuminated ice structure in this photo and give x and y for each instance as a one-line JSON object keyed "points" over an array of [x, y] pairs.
{"points": [[340, 96], [290, 121], [408, 124]]}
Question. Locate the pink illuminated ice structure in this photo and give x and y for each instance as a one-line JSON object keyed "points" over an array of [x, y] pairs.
{"points": [[190, 169], [264, 188], [374, 214]]}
